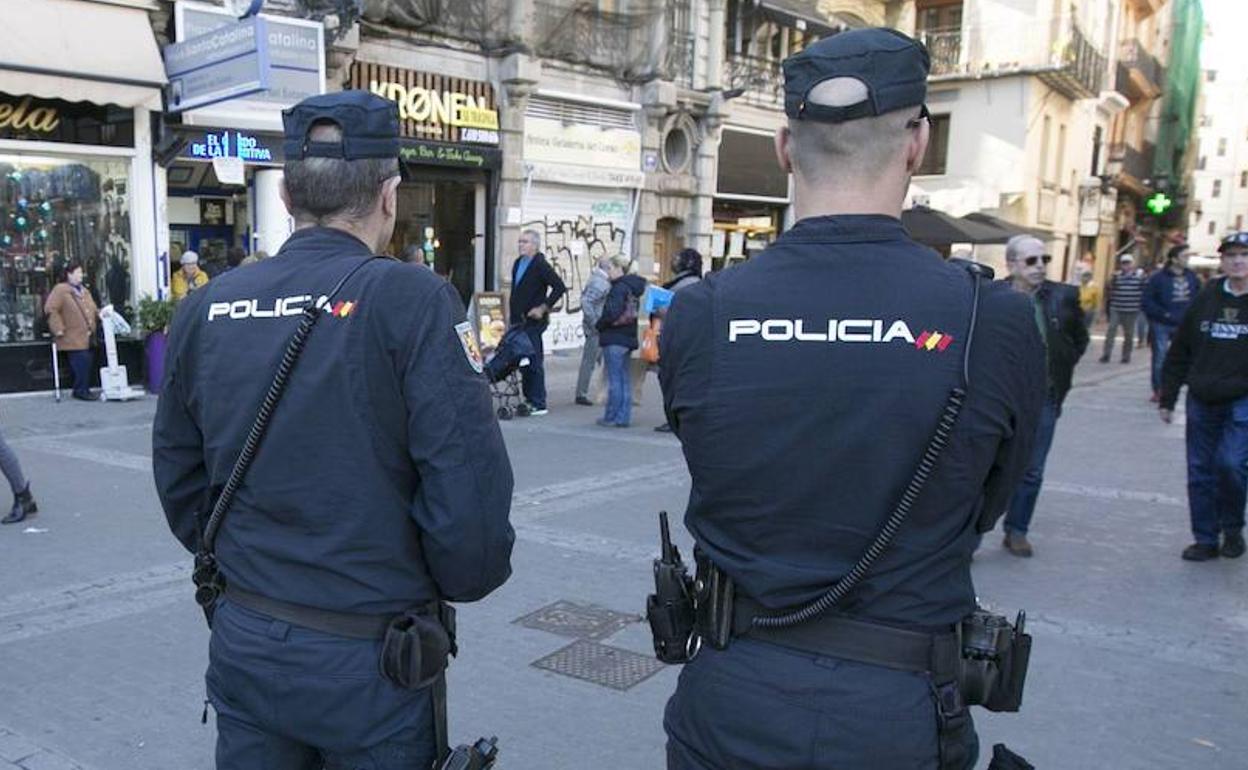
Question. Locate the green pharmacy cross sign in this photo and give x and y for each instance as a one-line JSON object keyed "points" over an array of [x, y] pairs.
{"points": [[1158, 203]]}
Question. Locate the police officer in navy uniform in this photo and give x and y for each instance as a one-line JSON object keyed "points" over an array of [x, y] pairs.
{"points": [[804, 386], [382, 482]]}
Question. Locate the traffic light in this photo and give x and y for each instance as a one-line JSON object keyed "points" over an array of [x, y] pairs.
{"points": [[1158, 203]]}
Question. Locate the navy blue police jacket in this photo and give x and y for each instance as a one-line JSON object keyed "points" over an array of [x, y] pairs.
{"points": [[383, 481], [804, 386]]}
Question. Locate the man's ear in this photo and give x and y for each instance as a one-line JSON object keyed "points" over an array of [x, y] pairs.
{"points": [[784, 149], [916, 149], [390, 196]]}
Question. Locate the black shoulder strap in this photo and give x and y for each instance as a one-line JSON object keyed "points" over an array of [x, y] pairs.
{"points": [[271, 398]]}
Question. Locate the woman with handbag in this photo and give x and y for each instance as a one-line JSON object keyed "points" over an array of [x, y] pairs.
{"points": [[73, 318], [617, 335]]}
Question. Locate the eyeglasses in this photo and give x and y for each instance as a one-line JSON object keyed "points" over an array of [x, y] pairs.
{"points": [[923, 115], [1032, 261]]}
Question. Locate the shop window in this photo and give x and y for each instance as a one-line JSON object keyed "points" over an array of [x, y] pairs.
{"points": [[53, 211], [936, 159], [1217, 188]]}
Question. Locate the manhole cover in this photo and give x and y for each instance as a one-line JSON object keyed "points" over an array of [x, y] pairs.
{"points": [[578, 621], [601, 664]]}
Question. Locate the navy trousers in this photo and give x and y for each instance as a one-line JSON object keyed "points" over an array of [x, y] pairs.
{"points": [[1217, 467], [533, 376], [80, 364], [289, 698], [757, 706]]}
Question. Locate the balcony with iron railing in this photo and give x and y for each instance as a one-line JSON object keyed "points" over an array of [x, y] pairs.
{"points": [[632, 46], [1065, 59], [1133, 166], [483, 22], [760, 79], [1139, 76]]}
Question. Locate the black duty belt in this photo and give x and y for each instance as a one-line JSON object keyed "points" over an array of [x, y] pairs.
{"points": [[838, 636], [349, 624]]}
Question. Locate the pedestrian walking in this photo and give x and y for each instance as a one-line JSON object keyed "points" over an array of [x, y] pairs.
{"points": [[188, 277], [593, 298], [1123, 300], [688, 271], [1167, 295], [535, 289], [804, 385], [617, 334], [73, 319], [23, 501], [1089, 297], [1209, 354], [381, 490], [1061, 322], [1143, 332]]}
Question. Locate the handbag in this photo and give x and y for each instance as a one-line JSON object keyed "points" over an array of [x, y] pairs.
{"points": [[627, 316], [649, 351]]}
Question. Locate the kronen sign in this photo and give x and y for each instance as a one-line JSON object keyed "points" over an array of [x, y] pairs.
{"points": [[438, 107], [20, 117]]}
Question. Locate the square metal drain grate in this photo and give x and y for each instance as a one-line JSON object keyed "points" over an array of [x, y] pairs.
{"points": [[601, 664], [578, 621]]}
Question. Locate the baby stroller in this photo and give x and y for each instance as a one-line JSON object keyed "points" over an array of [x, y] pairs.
{"points": [[503, 371]]}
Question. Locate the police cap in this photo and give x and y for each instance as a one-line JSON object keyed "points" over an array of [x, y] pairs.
{"points": [[892, 66], [369, 124]]}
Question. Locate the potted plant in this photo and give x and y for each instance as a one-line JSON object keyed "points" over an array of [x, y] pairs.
{"points": [[154, 318]]}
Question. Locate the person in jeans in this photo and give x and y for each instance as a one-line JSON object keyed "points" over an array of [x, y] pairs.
{"points": [[1167, 295], [535, 289], [617, 334], [1209, 353], [593, 297], [1061, 322], [1125, 292], [23, 500], [73, 317]]}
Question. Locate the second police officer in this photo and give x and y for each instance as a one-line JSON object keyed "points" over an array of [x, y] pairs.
{"points": [[381, 489], [804, 386]]}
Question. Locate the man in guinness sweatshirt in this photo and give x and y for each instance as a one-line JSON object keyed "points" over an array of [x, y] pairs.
{"points": [[1209, 353]]}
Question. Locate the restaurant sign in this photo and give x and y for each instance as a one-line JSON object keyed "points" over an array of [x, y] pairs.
{"points": [[433, 106]]}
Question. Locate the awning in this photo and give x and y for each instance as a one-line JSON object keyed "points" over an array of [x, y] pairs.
{"points": [[805, 11], [980, 217], [936, 228], [80, 52]]}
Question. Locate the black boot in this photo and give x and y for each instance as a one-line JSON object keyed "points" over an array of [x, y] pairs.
{"points": [[23, 506]]}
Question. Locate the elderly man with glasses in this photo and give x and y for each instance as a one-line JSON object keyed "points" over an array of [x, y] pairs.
{"points": [[1060, 320], [1209, 353]]}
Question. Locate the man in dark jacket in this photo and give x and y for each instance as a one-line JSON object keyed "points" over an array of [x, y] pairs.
{"points": [[1060, 320], [1167, 295], [535, 289], [382, 487], [1210, 354]]}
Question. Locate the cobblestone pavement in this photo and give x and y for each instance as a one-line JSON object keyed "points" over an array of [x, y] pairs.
{"points": [[1138, 662]]}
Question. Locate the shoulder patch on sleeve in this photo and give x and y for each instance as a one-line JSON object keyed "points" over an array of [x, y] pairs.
{"points": [[472, 351]]}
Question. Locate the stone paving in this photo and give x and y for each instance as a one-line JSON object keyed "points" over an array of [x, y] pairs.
{"points": [[1138, 662]]}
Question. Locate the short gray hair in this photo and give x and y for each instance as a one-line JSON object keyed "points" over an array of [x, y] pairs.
{"points": [[321, 189], [535, 235], [854, 147], [1014, 246]]}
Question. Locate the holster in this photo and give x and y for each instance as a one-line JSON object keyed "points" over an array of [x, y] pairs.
{"points": [[713, 599], [417, 645], [209, 583], [995, 656]]}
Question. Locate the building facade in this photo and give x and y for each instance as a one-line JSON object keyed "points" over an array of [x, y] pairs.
{"points": [[1219, 198]]}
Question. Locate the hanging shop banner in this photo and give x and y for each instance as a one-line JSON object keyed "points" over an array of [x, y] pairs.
{"points": [[490, 313], [553, 142], [295, 67], [217, 66], [433, 106], [53, 120]]}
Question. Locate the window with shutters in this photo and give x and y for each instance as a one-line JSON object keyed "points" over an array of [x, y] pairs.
{"points": [[934, 162]]}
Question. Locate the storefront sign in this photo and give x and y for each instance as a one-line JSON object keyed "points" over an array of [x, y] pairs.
{"points": [[218, 65], [296, 56], [433, 106], [53, 120], [550, 141], [490, 313], [251, 148], [434, 153], [586, 176]]}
